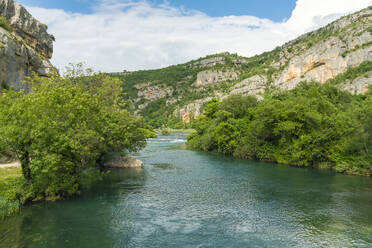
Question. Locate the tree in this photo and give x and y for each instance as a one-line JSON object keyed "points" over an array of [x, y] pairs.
{"points": [[312, 125], [65, 127]]}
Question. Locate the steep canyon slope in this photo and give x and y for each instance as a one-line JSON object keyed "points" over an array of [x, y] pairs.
{"points": [[340, 52]]}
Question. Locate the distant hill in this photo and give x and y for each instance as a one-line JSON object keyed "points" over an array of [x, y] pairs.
{"points": [[341, 53]]}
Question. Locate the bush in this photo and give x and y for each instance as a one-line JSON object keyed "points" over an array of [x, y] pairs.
{"points": [[4, 24]]}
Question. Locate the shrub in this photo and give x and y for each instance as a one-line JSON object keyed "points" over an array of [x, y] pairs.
{"points": [[4, 24]]}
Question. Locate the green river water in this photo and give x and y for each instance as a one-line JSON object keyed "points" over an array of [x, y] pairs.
{"points": [[191, 199]]}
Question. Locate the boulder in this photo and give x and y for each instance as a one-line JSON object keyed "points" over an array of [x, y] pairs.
{"points": [[124, 162]]}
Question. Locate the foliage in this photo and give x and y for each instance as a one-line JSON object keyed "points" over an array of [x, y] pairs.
{"points": [[308, 126], [10, 186], [165, 131], [356, 48], [62, 130], [4, 24]]}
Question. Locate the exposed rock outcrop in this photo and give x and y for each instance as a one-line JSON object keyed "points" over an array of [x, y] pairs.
{"points": [[124, 162], [211, 77], [358, 85], [153, 92], [192, 110], [326, 60], [210, 62], [25, 49], [251, 86]]}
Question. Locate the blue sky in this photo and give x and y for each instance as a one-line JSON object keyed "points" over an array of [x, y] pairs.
{"points": [[275, 10]]}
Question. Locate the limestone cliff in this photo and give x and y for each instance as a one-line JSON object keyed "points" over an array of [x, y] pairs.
{"points": [[25, 48], [340, 52]]}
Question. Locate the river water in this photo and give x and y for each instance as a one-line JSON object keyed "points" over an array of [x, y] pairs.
{"points": [[191, 199]]}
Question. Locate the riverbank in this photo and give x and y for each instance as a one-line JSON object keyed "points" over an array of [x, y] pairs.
{"points": [[10, 176], [168, 131], [313, 125], [8, 171], [12, 164]]}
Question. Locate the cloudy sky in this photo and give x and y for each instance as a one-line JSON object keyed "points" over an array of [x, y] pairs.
{"points": [[116, 35]]}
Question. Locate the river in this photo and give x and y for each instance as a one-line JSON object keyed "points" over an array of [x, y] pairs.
{"points": [[185, 198]]}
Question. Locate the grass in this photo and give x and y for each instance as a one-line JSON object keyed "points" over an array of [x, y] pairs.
{"points": [[10, 172], [10, 181]]}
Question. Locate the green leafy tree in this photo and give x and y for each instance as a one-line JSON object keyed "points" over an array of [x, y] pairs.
{"points": [[64, 128], [313, 125]]}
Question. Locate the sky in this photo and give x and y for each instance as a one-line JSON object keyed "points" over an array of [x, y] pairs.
{"points": [[276, 10], [117, 35]]}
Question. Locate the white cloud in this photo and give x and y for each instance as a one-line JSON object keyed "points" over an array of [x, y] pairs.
{"points": [[138, 35]]}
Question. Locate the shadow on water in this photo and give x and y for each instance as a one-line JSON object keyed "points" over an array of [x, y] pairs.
{"points": [[69, 223]]}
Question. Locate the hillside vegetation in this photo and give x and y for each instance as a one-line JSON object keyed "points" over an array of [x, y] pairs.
{"points": [[175, 96]]}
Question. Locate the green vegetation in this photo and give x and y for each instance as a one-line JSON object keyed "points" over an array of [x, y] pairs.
{"points": [[312, 125], [10, 183], [369, 30], [62, 131], [181, 80], [165, 131], [356, 48], [4, 24]]}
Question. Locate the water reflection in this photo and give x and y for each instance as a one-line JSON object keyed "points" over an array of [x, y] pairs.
{"points": [[76, 222]]}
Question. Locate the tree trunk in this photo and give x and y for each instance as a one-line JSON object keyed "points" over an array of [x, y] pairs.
{"points": [[25, 163]]}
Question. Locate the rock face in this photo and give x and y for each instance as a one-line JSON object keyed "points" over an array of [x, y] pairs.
{"points": [[210, 62], [358, 85], [26, 49], [210, 77], [192, 110], [251, 86], [326, 60], [124, 162], [153, 92]]}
